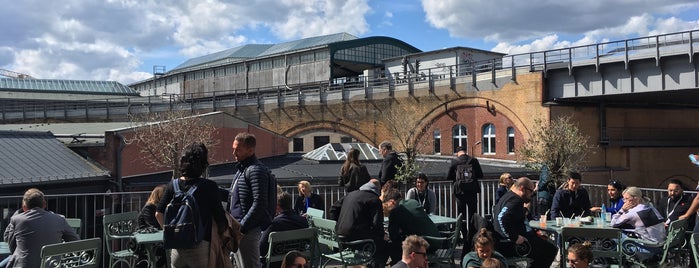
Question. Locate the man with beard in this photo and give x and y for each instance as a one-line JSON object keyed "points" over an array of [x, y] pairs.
{"points": [[677, 202], [510, 222]]}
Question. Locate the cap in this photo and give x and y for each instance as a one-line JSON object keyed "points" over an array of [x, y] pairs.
{"points": [[461, 148]]}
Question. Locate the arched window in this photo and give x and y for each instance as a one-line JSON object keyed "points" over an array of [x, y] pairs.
{"points": [[488, 139], [510, 140], [459, 137], [437, 141]]}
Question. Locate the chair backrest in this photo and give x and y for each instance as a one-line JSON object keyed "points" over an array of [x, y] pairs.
{"points": [[694, 241], [315, 213], [326, 232], [606, 242], [118, 226], [303, 240], [75, 223], [81, 253], [675, 236]]}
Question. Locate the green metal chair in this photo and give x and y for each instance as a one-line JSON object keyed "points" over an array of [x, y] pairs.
{"points": [[81, 253], [348, 253], [118, 231], [606, 243], [446, 246], [303, 240], [673, 244]]}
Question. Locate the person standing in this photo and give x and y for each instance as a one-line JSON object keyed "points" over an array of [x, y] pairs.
{"points": [[353, 174], [193, 164], [33, 228], [572, 200], [509, 222], [391, 162], [307, 199], [252, 199], [467, 196], [424, 196]]}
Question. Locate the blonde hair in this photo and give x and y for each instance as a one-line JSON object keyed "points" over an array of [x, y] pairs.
{"points": [[504, 179], [636, 192], [307, 184], [492, 263]]}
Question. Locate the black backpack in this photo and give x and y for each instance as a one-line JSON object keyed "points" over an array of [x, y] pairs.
{"points": [[465, 183], [183, 228]]}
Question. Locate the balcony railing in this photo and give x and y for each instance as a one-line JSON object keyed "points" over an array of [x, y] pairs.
{"points": [[90, 207]]}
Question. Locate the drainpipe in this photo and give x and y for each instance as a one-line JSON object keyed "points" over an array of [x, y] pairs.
{"points": [[117, 159]]}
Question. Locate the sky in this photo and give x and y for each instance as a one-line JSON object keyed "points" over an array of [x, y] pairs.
{"points": [[121, 40]]}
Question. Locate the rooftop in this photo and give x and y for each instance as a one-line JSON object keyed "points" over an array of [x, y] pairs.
{"points": [[31, 157]]}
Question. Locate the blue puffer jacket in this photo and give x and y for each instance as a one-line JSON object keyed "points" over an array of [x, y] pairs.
{"points": [[257, 194]]}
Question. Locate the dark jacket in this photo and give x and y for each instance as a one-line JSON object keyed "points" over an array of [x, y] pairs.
{"points": [[566, 203], [315, 201], [285, 221], [146, 219], [389, 167], [509, 216], [361, 214], [255, 194], [409, 218], [476, 169], [502, 189], [676, 208], [209, 205], [355, 177]]}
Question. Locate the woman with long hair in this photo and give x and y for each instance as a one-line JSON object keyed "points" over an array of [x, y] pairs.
{"points": [[307, 199], [614, 190], [193, 164], [294, 259], [353, 174]]}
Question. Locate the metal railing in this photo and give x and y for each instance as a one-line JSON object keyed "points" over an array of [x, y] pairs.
{"points": [[90, 207]]}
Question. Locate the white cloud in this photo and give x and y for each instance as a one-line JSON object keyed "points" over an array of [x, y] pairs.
{"points": [[515, 21], [643, 25]]}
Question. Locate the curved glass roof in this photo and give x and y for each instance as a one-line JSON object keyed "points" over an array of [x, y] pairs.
{"points": [[66, 86], [258, 50]]}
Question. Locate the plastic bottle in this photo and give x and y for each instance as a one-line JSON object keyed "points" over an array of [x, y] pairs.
{"points": [[603, 213]]}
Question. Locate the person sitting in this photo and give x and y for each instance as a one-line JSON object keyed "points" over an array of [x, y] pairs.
{"points": [[483, 248], [423, 195], [359, 215], [506, 182], [147, 223], [294, 259], [414, 253], [285, 220], [307, 199], [33, 228], [639, 219], [493, 263], [572, 200], [509, 223], [614, 189], [405, 217], [580, 255], [677, 202]]}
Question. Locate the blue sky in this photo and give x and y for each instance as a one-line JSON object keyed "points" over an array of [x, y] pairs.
{"points": [[121, 40]]}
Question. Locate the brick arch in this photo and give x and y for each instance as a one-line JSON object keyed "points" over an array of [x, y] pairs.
{"points": [[327, 125], [480, 102]]}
